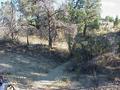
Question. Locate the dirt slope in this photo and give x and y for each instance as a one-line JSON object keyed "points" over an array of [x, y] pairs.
{"points": [[27, 72]]}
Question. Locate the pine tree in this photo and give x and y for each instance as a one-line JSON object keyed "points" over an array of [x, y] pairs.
{"points": [[85, 12], [116, 22]]}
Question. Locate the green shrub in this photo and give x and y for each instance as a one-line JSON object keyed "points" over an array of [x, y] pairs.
{"points": [[88, 48]]}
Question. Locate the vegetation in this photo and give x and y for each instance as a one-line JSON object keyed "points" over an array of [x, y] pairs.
{"points": [[116, 22], [72, 38], [110, 19]]}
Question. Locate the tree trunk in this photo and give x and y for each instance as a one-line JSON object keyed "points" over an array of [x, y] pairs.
{"points": [[72, 49], [27, 39], [49, 32], [12, 36], [49, 36], [84, 31], [50, 41]]}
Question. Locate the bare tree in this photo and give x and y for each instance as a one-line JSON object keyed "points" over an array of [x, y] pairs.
{"points": [[9, 18]]}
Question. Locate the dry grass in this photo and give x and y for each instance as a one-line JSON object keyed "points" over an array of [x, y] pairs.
{"points": [[26, 72], [37, 40], [103, 31]]}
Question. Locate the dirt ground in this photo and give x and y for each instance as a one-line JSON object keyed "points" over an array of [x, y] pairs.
{"points": [[26, 72], [44, 73]]}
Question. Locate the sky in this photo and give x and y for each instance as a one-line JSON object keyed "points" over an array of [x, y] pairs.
{"points": [[58, 2], [109, 7], [3, 0]]}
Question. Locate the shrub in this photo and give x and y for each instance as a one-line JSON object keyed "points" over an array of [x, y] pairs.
{"points": [[88, 48]]}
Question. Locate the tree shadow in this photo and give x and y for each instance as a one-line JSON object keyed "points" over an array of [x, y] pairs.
{"points": [[106, 71], [104, 67], [29, 63]]}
